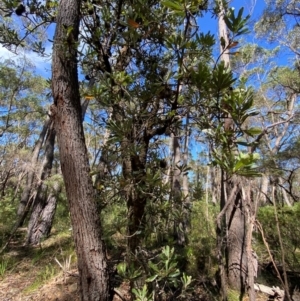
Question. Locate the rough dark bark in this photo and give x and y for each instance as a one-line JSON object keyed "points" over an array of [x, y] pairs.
{"points": [[42, 219], [67, 115], [40, 224], [236, 239], [176, 193], [45, 200], [134, 176], [232, 237]]}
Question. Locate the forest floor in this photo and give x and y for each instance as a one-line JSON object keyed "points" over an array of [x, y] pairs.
{"points": [[48, 272], [32, 273]]}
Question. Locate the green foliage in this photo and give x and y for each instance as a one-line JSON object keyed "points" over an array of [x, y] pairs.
{"points": [[159, 276], [237, 24], [130, 272], [7, 209], [233, 295], [201, 257], [44, 274], [4, 263], [142, 294], [156, 66], [114, 221], [61, 220], [288, 218], [165, 271]]}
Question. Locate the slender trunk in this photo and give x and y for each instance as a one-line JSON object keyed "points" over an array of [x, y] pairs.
{"points": [[176, 193], [233, 232], [215, 184], [236, 240], [284, 194], [134, 176], [232, 236], [103, 168], [67, 115], [42, 218], [37, 225], [185, 178], [26, 197], [45, 198], [252, 264], [282, 249], [264, 189]]}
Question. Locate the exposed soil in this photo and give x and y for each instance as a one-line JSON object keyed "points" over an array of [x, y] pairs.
{"points": [[62, 288]]}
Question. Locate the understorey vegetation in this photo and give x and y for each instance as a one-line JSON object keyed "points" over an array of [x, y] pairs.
{"points": [[146, 157]]}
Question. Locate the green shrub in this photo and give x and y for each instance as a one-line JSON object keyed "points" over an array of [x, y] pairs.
{"points": [[201, 255], [289, 223]]}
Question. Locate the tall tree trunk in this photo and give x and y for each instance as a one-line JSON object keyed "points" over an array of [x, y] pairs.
{"points": [[236, 238], [236, 210], [215, 184], [185, 178], [26, 197], [45, 197], [66, 113], [134, 175], [40, 224], [284, 194], [176, 193], [263, 193], [42, 218], [274, 148]]}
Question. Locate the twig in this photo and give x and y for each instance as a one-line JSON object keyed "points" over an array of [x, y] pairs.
{"points": [[259, 226], [119, 295]]}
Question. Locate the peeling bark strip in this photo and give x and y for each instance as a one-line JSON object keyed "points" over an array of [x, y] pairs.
{"points": [[274, 292], [67, 116]]}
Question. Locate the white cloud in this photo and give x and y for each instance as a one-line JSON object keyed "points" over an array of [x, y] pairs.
{"points": [[42, 64]]}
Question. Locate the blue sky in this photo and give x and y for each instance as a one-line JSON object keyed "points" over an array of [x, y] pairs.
{"points": [[253, 7]]}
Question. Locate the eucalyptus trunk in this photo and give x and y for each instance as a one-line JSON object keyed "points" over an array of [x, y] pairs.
{"points": [[176, 192], [39, 225], [236, 217], [46, 196], [185, 178], [67, 115], [134, 176], [27, 197]]}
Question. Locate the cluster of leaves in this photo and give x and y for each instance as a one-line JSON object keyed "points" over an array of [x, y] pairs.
{"points": [[158, 276], [290, 233]]}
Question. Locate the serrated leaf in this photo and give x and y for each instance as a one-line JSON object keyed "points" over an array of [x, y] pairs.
{"points": [[173, 5], [233, 44], [243, 143], [153, 266], [249, 173], [253, 131], [228, 24], [121, 268], [175, 274], [152, 278], [133, 24]]}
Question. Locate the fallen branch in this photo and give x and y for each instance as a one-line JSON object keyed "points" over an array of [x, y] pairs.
{"points": [[275, 292]]}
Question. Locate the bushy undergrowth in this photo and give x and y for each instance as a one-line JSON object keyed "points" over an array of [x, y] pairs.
{"points": [[202, 240], [8, 208], [62, 220], [289, 224]]}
